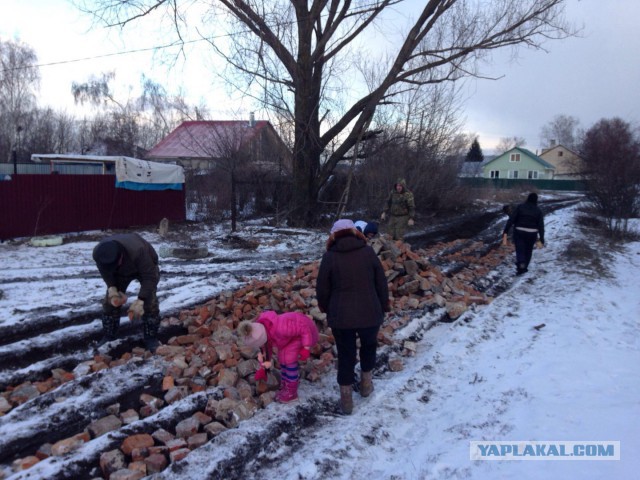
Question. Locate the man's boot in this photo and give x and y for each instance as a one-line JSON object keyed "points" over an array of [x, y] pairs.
{"points": [[346, 400], [366, 383], [150, 326], [110, 325]]}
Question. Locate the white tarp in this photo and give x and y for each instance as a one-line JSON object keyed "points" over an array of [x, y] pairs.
{"points": [[143, 171]]}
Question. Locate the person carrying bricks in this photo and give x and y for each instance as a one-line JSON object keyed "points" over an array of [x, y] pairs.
{"points": [[121, 259]]}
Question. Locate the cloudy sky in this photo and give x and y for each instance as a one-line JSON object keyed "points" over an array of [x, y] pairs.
{"points": [[590, 77]]}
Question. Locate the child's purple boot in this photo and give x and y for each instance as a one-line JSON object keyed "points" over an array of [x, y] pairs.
{"points": [[288, 392]]}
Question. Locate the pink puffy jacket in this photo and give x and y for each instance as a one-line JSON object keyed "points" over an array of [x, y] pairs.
{"points": [[288, 332]]}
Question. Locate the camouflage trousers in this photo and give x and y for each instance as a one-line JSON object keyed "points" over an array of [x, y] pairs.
{"points": [[398, 226]]}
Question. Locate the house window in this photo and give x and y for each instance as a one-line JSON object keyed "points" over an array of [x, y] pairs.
{"points": [[513, 173], [495, 173], [533, 174], [560, 153], [515, 157]]}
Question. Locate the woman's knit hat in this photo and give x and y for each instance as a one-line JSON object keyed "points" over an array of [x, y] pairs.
{"points": [[342, 224], [256, 336], [371, 228]]}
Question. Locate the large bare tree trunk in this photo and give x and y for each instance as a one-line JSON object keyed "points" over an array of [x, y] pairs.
{"points": [[307, 147]]}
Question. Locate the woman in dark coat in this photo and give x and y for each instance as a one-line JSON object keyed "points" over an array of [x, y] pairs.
{"points": [[352, 290], [528, 225]]}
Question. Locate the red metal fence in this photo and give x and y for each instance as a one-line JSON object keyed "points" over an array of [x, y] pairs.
{"points": [[32, 205]]}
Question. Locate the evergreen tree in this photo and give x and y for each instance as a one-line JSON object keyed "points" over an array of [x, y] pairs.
{"points": [[475, 152]]}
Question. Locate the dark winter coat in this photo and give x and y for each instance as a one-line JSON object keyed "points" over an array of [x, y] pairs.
{"points": [[351, 287], [527, 215], [139, 262]]}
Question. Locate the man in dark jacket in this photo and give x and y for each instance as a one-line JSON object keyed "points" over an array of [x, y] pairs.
{"points": [[121, 259], [528, 224], [401, 209], [352, 290]]}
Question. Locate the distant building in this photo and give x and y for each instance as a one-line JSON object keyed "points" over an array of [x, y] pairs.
{"points": [[568, 164], [200, 145], [474, 169], [518, 163]]}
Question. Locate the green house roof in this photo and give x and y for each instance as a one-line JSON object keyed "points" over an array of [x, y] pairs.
{"points": [[526, 152]]}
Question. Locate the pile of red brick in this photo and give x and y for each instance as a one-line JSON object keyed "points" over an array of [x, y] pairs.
{"points": [[208, 355]]}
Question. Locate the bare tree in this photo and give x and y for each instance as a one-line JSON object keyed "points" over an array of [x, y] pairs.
{"points": [[563, 129], [507, 143], [611, 155], [19, 82], [300, 58], [225, 148], [132, 123]]}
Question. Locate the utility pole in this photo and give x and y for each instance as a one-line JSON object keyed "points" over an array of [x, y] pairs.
{"points": [[16, 148]]}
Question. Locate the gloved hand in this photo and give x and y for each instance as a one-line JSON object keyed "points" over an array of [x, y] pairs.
{"points": [[261, 374], [383, 216], [116, 298], [304, 354], [136, 310], [410, 222]]}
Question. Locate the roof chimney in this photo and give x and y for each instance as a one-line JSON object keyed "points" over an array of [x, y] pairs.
{"points": [[252, 120], [553, 142]]}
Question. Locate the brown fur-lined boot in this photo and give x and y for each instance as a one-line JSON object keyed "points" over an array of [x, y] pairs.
{"points": [[346, 401], [366, 384]]}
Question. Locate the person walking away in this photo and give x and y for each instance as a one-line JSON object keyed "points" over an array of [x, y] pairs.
{"points": [[121, 259], [527, 221], [352, 290], [293, 334], [400, 208]]}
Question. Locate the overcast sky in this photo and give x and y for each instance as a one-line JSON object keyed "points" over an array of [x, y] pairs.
{"points": [[591, 77]]}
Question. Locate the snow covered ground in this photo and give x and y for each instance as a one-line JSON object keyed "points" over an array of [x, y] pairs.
{"points": [[489, 376]]}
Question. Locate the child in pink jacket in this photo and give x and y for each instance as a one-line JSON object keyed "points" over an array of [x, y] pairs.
{"points": [[293, 334]]}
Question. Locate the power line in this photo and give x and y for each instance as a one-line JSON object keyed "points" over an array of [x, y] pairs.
{"points": [[127, 52], [105, 55]]}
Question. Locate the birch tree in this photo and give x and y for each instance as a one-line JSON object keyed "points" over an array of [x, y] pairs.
{"points": [[19, 83]]}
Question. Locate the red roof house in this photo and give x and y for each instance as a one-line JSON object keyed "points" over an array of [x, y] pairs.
{"points": [[198, 145]]}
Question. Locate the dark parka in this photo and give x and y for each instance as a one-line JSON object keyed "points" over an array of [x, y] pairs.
{"points": [[527, 215], [351, 287], [140, 262]]}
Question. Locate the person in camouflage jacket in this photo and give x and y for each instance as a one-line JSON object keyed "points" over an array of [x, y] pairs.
{"points": [[400, 208]]}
